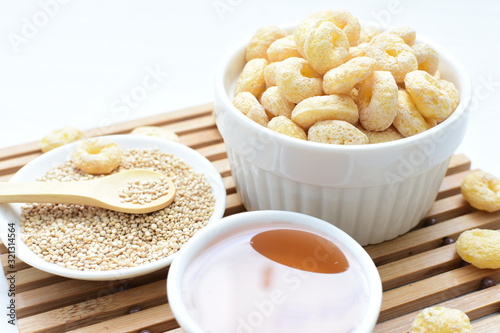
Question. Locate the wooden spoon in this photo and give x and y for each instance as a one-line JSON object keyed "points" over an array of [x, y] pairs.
{"points": [[101, 192]]}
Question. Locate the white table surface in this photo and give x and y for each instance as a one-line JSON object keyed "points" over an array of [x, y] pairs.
{"points": [[94, 63]]}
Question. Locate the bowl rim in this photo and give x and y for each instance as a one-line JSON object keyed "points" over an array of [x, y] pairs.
{"points": [[234, 223], [460, 113], [9, 212]]}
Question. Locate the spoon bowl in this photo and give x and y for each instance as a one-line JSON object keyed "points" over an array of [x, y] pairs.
{"points": [[101, 192]]}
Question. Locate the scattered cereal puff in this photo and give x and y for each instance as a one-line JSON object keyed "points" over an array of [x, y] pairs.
{"points": [[481, 190], [60, 137], [283, 125], [480, 247], [156, 131], [441, 320], [261, 40], [336, 132], [97, 156]]}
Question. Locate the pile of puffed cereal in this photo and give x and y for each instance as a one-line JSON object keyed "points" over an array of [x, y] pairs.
{"points": [[335, 81]]}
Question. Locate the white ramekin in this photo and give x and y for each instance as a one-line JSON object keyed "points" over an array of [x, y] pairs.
{"points": [[219, 231], [373, 192]]}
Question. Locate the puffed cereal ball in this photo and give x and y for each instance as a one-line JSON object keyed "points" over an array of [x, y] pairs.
{"points": [[156, 131], [481, 190], [97, 156], [60, 137], [480, 247], [283, 125], [408, 119], [275, 103], [344, 20], [251, 78], [270, 74], [405, 33], [431, 100], [326, 46], [389, 134], [328, 107], [392, 54], [359, 50], [296, 80], [378, 101], [441, 320], [452, 91], [250, 107], [427, 58], [261, 40], [367, 33], [282, 49], [342, 79], [336, 132], [301, 32]]}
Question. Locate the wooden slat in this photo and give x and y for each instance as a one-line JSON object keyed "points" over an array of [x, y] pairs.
{"points": [[32, 278], [478, 304], [155, 319], [73, 291], [429, 238], [458, 163], [96, 309], [400, 272], [487, 325], [417, 270], [423, 293]]}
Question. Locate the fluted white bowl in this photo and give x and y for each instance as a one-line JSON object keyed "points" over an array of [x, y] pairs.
{"points": [[184, 274], [373, 192]]}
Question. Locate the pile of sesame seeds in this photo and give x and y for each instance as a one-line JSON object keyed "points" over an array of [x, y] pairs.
{"points": [[144, 191], [94, 239]]}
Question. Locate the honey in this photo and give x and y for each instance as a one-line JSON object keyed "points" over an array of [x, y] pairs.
{"points": [[275, 278], [301, 250]]}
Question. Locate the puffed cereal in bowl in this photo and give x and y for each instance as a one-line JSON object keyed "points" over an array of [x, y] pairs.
{"points": [[376, 189], [91, 243]]}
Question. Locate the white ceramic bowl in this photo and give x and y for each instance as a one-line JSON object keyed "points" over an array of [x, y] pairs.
{"points": [[183, 280], [373, 192], [9, 213]]}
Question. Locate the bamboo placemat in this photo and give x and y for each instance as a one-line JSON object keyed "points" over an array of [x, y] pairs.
{"points": [[417, 270]]}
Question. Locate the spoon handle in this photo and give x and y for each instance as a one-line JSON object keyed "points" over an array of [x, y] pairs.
{"points": [[60, 192]]}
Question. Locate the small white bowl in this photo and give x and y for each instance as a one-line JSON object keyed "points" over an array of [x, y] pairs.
{"points": [[10, 213], [373, 192], [259, 308]]}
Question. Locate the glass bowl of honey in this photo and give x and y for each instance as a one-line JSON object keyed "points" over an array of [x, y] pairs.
{"points": [[274, 271]]}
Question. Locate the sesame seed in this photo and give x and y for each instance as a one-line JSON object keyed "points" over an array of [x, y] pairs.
{"points": [[92, 238]]}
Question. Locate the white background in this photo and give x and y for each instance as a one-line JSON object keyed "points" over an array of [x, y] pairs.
{"points": [[89, 63]]}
